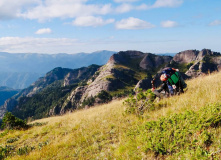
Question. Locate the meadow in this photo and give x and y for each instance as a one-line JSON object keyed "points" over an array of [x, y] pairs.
{"points": [[187, 126]]}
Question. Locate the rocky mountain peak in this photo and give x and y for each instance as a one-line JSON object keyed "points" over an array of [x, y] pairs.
{"points": [[206, 61], [121, 57], [132, 54], [186, 56], [206, 52], [193, 55], [153, 61]]}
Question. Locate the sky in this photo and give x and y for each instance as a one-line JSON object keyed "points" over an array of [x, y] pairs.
{"points": [[74, 26]]}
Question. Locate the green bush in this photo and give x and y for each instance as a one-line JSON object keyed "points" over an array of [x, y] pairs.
{"points": [[12, 140], [25, 150], [104, 96], [9, 121], [139, 103], [88, 102], [190, 133], [6, 151], [123, 93]]}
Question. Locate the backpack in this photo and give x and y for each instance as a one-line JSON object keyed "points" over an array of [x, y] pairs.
{"points": [[174, 78]]}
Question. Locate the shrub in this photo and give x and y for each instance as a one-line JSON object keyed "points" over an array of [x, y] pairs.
{"points": [[9, 121], [104, 96], [25, 150], [6, 151], [88, 102], [139, 103], [182, 133]]}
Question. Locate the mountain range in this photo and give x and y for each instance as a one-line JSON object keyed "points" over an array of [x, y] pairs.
{"points": [[62, 90], [20, 70]]}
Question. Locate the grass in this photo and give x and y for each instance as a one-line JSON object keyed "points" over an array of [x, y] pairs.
{"points": [[106, 132]]}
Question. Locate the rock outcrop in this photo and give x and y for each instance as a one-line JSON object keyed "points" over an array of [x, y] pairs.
{"points": [[186, 56], [201, 62], [151, 61]]}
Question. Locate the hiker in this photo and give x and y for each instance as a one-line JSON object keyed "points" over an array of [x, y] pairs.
{"points": [[173, 83]]}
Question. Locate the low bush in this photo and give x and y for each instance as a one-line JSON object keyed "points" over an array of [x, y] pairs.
{"points": [[104, 96], [6, 151], [9, 121], [139, 103], [177, 134]]}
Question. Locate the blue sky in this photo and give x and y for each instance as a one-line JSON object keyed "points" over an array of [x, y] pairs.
{"points": [[73, 26]]}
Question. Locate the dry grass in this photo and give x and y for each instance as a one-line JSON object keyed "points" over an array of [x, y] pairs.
{"points": [[102, 132], [201, 92]]}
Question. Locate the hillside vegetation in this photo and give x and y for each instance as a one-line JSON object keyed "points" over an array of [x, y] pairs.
{"points": [[181, 127]]}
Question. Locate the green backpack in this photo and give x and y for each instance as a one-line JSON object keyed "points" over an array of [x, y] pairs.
{"points": [[174, 78]]}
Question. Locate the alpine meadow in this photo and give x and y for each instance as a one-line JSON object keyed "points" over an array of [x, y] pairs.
{"points": [[180, 127]]}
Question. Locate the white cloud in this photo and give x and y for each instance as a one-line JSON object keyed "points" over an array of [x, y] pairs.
{"points": [[142, 7], [169, 24], [43, 31], [122, 1], [91, 21], [43, 10], [167, 3], [65, 9], [38, 45], [11, 10], [124, 8], [215, 23], [133, 23]]}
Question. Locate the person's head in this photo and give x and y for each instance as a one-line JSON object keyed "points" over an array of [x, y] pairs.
{"points": [[163, 77]]}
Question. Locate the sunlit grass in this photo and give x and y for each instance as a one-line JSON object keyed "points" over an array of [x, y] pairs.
{"points": [[106, 132]]}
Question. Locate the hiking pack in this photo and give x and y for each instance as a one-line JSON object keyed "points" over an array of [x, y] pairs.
{"points": [[175, 80]]}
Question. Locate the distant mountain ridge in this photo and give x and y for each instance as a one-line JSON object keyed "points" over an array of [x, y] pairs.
{"points": [[18, 80], [21, 69]]}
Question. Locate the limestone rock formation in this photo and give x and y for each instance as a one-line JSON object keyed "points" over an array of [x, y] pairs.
{"points": [[186, 56], [202, 62], [151, 61]]}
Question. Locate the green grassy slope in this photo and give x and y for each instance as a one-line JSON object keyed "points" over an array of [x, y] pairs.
{"points": [[181, 127]]}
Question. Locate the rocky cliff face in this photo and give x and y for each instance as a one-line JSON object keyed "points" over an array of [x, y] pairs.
{"points": [[153, 61], [124, 57], [201, 62], [186, 56]]}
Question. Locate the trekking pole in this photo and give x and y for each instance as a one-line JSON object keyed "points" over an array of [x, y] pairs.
{"points": [[153, 83]]}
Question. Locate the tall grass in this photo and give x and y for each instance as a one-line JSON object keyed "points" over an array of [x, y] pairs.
{"points": [[106, 132]]}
